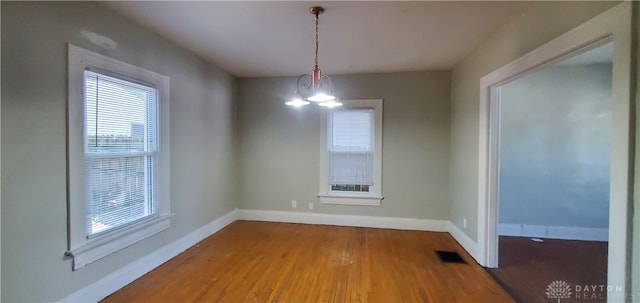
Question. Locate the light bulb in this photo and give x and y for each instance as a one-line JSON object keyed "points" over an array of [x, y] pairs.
{"points": [[321, 97], [297, 102], [330, 104]]}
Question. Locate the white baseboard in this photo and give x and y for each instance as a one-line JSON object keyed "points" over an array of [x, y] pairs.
{"points": [[343, 220], [118, 279], [554, 232], [465, 241], [363, 221]]}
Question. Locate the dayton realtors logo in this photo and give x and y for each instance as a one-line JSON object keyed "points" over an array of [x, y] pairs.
{"points": [[558, 290]]}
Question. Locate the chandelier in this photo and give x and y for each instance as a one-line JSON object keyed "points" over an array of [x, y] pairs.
{"points": [[314, 87]]}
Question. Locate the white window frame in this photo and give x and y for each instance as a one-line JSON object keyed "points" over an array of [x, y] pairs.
{"points": [[81, 248], [374, 196]]}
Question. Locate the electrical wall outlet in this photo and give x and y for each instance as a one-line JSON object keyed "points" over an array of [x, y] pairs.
{"points": [[294, 203], [464, 223], [310, 205]]}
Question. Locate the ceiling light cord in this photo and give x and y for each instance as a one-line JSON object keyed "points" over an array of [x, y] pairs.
{"points": [[317, 13]]}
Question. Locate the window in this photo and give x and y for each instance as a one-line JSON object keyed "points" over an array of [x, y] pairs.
{"points": [[351, 155], [118, 155], [120, 151]]}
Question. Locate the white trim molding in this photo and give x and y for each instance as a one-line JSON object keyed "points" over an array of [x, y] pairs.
{"points": [[81, 247], [127, 274], [554, 232], [343, 220], [465, 241], [372, 198], [350, 200], [363, 221], [613, 25], [111, 243]]}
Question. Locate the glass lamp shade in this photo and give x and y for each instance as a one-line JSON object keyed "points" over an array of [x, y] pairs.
{"points": [[321, 96], [297, 101], [330, 103]]}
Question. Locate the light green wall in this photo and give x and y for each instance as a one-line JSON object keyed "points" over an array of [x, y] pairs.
{"points": [[542, 23], [429, 143], [635, 256], [34, 92], [279, 147], [555, 147]]}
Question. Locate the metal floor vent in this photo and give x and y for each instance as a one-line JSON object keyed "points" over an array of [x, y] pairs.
{"points": [[450, 257]]}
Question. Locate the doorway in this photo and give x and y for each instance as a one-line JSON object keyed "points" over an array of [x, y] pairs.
{"points": [[554, 138], [613, 25]]}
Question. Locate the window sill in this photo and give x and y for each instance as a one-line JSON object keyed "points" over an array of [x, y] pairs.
{"points": [[103, 246], [351, 200]]}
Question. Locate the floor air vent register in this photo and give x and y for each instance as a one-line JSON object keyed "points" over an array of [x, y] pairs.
{"points": [[450, 257]]}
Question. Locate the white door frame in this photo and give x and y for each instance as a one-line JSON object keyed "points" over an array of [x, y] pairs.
{"points": [[613, 25]]}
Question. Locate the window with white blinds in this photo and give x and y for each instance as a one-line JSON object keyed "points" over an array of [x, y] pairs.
{"points": [[351, 148], [351, 155], [120, 124], [118, 155]]}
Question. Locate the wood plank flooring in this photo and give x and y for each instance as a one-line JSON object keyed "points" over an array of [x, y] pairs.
{"points": [[527, 267], [279, 262]]}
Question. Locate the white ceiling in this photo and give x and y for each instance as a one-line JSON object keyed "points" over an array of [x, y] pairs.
{"points": [[254, 39]]}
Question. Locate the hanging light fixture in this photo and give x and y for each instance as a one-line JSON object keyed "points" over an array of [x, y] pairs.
{"points": [[316, 86]]}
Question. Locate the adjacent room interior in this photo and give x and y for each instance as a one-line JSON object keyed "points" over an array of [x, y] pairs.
{"points": [[554, 162], [176, 151]]}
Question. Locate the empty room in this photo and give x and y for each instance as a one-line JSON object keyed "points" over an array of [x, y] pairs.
{"points": [[555, 137], [325, 151]]}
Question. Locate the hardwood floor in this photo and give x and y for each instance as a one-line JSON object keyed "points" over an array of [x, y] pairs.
{"points": [[279, 262], [526, 268]]}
